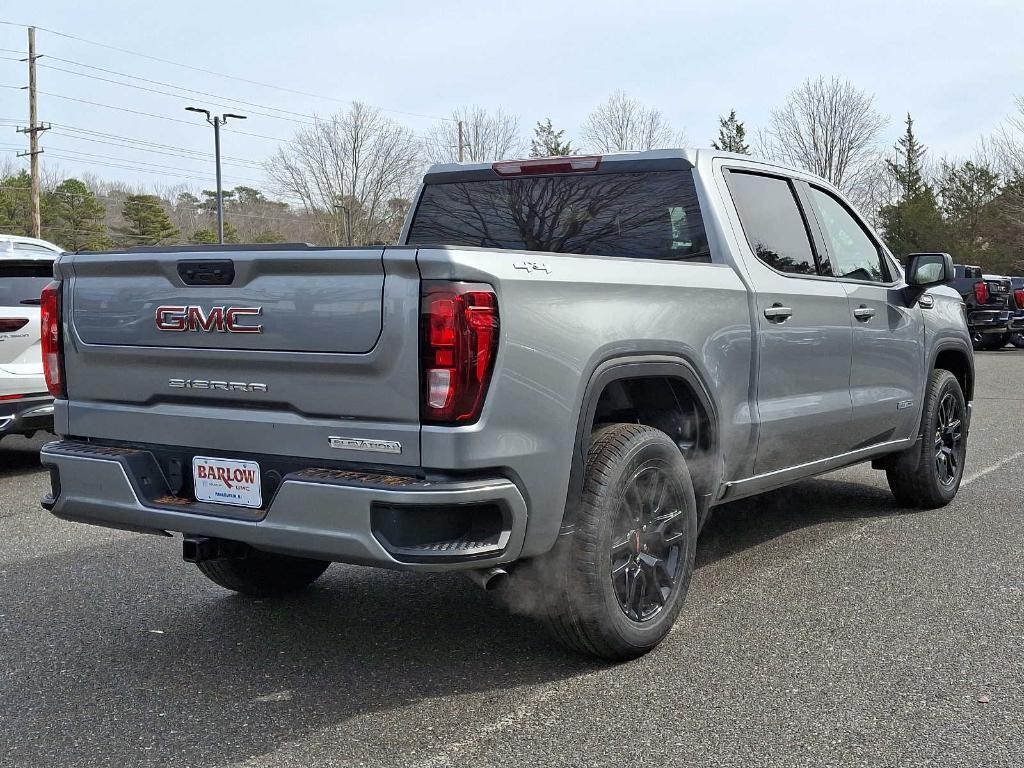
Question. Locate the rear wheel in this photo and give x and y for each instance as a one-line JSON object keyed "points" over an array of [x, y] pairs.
{"points": [[928, 475], [619, 581], [263, 574], [1017, 340]]}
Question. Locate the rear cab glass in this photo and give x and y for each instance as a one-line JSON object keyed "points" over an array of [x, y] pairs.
{"points": [[22, 281], [644, 215]]}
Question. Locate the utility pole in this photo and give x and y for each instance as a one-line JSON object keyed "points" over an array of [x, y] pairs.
{"points": [[33, 131], [217, 121], [461, 141]]}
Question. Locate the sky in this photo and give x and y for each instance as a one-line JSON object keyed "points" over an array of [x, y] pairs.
{"points": [[956, 66]]}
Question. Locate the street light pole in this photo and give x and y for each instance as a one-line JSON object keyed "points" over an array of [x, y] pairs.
{"points": [[217, 121]]}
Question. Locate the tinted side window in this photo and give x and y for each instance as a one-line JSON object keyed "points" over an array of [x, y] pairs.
{"points": [[772, 222], [856, 255]]}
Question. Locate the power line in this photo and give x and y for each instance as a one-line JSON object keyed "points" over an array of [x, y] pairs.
{"points": [[106, 135], [177, 87], [191, 175], [172, 95], [68, 150], [144, 145], [182, 154], [218, 74], [144, 114]]}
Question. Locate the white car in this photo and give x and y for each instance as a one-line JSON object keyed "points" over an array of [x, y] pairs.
{"points": [[26, 266]]}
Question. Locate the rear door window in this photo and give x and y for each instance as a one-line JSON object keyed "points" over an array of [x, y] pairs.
{"points": [[22, 282], [773, 223], [647, 215]]}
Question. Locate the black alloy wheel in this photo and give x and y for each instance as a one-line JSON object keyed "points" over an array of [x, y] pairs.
{"points": [[949, 435], [649, 544]]}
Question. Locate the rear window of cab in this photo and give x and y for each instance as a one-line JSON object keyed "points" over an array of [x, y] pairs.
{"points": [[646, 215]]}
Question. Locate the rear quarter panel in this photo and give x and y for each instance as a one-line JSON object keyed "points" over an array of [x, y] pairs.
{"points": [[557, 327]]}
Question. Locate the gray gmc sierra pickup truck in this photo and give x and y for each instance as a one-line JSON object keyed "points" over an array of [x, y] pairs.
{"points": [[561, 369]]}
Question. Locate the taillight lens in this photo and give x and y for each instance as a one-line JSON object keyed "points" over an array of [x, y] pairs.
{"points": [[1018, 296], [51, 339], [981, 292], [460, 341], [12, 324]]}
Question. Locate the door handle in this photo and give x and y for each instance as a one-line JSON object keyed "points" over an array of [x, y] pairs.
{"points": [[863, 313], [778, 313]]}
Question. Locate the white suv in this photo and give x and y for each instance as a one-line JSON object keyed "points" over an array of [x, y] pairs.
{"points": [[26, 266]]}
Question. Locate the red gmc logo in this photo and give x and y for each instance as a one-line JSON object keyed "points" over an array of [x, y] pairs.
{"points": [[219, 319]]}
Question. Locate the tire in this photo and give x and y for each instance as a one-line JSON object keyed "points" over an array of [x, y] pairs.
{"points": [[919, 477], [625, 614], [1017, 340], [995, 341], [263, 574]]}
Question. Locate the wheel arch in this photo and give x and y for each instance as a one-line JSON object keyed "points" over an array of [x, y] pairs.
{"points": [[957, 358], [665, 392]]}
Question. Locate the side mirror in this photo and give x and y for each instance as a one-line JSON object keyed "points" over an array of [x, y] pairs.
{"points": [[925, 270]]}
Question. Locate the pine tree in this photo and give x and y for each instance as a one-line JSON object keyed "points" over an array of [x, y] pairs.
{"points": [[74, 218], [146, 221], [974, 205], [547, 142], [208, 236], [912, 223], [907, 167], [204, 236], [268, 236], [732, 136], [230, 233]]}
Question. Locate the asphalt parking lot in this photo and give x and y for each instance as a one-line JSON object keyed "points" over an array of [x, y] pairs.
{"points": [[824, 626]]}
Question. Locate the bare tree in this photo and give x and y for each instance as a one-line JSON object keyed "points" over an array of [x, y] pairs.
{"points": [[622, 123], [347, 171], [830, 128], [486, 137], [1006, 148]]}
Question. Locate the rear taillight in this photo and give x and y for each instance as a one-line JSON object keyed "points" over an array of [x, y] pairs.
{"points": [[51, 338], [1018, 296], [981, 292], [571, 164], [460, 341], [12, 324]]}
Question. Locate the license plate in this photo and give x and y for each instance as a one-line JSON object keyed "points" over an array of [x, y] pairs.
{"points": [[227, 481]]}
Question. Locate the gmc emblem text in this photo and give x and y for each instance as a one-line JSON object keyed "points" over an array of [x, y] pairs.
{"points": [[219, 319]]}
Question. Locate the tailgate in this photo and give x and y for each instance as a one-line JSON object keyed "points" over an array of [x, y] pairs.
{"points": [[999, 294], [258, 350]]}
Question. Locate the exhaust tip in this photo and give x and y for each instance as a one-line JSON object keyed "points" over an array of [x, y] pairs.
{"points": [[489, 579]]}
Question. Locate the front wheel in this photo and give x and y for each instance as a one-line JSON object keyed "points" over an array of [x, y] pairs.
{"points": [[619, 580], [928, 474]]}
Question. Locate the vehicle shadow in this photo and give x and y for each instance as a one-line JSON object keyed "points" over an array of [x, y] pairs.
{"points": [[747, 523], [225, 678], [19, 455]]}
